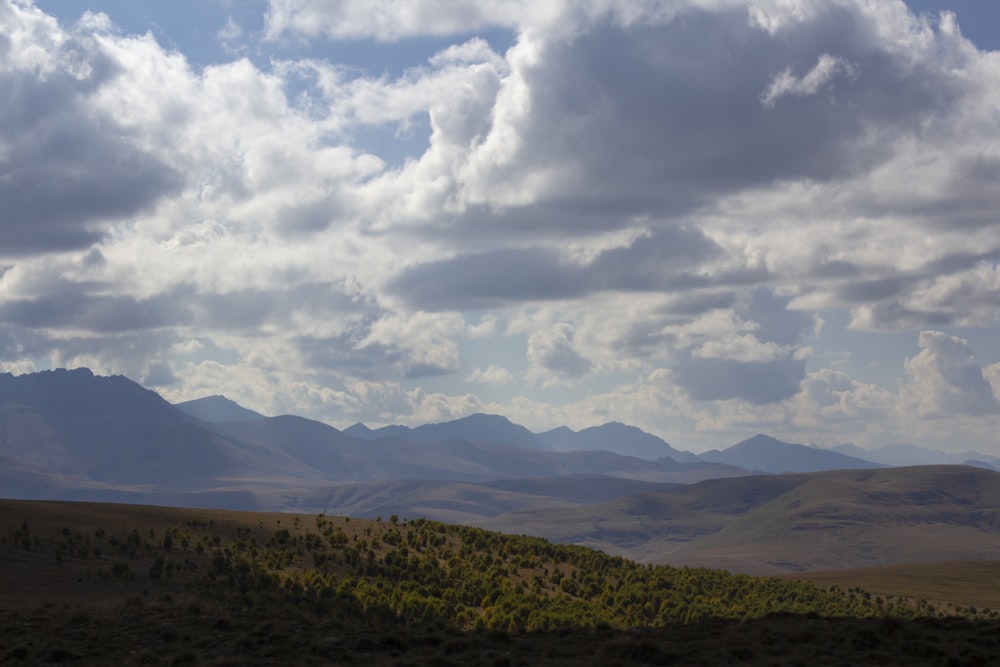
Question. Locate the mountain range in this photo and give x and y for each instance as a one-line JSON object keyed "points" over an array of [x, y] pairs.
{"points": [[613, 436], [71, 435]]}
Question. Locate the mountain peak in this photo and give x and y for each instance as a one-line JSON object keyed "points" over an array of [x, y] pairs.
{"points": [[766, 453], [78, 391], [763, 439], [217, 409]]}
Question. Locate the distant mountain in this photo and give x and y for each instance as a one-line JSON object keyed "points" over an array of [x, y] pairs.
{"points": [[766, 454], [105, 429], [80, 393], [345, 457], [914, 455], [613, 437], [474, 428], [217, 409], [67, 434]]}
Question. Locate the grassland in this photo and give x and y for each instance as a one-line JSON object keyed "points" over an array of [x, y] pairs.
{"points": [[98, 584], [948, 585], [777, 524]]}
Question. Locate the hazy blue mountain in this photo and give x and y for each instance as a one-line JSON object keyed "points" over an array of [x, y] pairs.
{"points": [[217, 409], [474, 428], [613, 437], [766, 454], [974, 463], [81, 393], [73, 428], [106, 429], [912, 455], [344, 457], [850, 449]]}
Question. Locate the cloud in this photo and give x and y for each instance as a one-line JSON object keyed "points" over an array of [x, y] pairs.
{"points": [[20, 367], [653, 202], [820, 76], [666, 118], [388, 21], [944, 379], [750, 353], [657, 261], [756, 382], [67, 168], [552, 357], [491, 375]]}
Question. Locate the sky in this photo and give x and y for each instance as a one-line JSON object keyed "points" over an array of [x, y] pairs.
{"points": [[704, 218]]}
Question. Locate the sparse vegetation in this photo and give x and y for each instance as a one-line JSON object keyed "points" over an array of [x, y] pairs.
{"points": [[255, 589]]}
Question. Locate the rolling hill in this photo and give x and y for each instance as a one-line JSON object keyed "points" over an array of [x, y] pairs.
{"points": [[102, 584], [469, 503], [785, 523]]}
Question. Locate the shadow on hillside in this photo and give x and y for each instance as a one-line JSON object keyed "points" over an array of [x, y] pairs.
{"points": [[164, 633]]}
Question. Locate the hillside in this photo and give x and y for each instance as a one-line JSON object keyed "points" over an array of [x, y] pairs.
{"points": [[117, 584], [833, 521], [469, 503], [784, 523]]}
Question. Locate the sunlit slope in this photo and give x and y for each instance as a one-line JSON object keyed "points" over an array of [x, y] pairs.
{"points": [[417, 571]]}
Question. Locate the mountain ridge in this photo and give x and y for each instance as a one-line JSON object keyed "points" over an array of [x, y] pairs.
{"points": [[612, 436], [217, 409], [764, 453]]}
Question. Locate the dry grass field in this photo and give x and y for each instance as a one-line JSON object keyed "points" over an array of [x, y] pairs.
{"points": [[944, 584]]}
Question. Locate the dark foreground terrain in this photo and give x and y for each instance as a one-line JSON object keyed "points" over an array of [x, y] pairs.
{"points": [[153, 633], [90, 584]]}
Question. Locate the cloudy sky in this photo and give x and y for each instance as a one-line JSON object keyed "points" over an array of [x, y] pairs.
{"points": [[706, 218]]}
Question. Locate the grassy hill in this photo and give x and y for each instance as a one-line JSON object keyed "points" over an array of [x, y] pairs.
{"points": [[115, 584], [457, 502], [784, 523]]}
